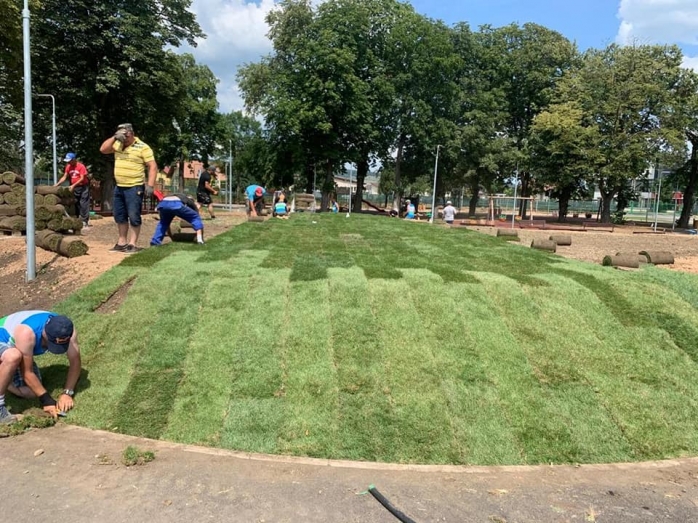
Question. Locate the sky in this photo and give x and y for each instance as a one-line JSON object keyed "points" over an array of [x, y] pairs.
{"points": [[237, 31]]}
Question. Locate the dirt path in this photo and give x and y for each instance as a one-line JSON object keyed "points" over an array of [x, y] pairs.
{"points": [[79, 478], [593, 246]]}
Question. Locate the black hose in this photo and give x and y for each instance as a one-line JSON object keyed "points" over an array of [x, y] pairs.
{"points": [[395, 512]]}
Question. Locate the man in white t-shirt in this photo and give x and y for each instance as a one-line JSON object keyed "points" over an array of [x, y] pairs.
{"points": [[449, 213]]}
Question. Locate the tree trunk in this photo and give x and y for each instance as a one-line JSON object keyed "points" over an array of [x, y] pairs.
{"points": [[327, 187], [398, 165], [606, 202], [690, 190], [361, 172], [475, 188], [180, 175], [107, 189], [310, 177], [564, 200], [525, 188]]}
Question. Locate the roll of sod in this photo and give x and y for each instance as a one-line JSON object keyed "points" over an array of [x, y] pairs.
{"points": [[544, 245], [658, 257], [561, 239], [9, 177], [642, 260], [508, 234], [255, 219], [624, 260]]}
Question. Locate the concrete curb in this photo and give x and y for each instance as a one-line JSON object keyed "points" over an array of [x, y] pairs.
{"points": [[366, 465]]}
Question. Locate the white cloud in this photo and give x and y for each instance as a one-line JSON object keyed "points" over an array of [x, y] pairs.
{"points": [[658, 21], [691, 62], [236, 33]]}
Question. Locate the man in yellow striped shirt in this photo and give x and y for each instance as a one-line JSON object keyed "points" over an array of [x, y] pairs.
{"points": [[132, 158]]}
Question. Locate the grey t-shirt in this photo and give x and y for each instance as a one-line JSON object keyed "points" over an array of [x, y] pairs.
{"points": [[449, 213]]}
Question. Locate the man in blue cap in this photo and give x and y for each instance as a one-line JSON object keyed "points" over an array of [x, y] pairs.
{"points": [[24, 335], [79, 186]]}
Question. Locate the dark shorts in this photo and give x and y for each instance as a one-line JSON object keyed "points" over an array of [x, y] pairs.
{"points": [[17, 378], [128, 202], [203, 198]]}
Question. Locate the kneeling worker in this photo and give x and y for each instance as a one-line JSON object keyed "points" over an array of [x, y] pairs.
{"points": [[254, 198], [24, 335], [180, 206]]}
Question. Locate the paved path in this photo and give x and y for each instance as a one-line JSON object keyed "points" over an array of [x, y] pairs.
{"points": [[68, 483]]}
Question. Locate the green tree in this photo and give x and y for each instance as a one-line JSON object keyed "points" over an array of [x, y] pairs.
{"points": [[535, 58], [296, 90], [626, 94], [564, 152], [484, 150], [108, 63], [11, 78], [420, 67], [195, 121], [252, 159], [687, 121]]}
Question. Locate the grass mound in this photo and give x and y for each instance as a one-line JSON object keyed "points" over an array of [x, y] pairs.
{"points": [[375, 339]]}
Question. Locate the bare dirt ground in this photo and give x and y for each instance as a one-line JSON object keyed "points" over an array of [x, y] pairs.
{"points": [[78, 477], [592, 246]]}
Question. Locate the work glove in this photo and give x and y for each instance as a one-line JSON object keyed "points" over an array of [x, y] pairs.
{"points": [[149, 190], [120, 136]]}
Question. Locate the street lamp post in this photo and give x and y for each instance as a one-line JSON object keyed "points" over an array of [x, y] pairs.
{"points": [[433, 197], [53, 135], [28, 145], [516, 186], [230, 177]]}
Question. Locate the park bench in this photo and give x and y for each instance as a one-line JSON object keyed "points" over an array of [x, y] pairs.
{"points": [[603, 227]]}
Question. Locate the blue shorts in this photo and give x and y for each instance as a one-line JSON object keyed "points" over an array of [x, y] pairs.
{"points": [[128, 202], [18, 379]]}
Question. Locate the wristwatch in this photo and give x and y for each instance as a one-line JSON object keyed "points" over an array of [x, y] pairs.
{"points": [[69, 392]]}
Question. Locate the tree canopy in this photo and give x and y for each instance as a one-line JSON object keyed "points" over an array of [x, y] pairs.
{"points": [[371, 83]]}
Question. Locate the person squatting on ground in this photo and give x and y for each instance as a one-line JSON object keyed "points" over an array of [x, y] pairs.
{"points": [[79, 186], [25, 335], [449, 213], [205, 189], [254, 199], [131, 159], [281, 207], [177, 206]]}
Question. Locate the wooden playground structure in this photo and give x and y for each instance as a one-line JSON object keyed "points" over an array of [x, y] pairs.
{"points": [[495, 210]]}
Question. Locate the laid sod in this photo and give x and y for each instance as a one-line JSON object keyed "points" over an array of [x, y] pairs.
{"points": [[374, 339]]}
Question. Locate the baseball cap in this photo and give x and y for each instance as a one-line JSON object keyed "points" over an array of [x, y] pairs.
{"points": [[258, 191], [211, 169], [59, 330], [70, 157], [448, 202]]}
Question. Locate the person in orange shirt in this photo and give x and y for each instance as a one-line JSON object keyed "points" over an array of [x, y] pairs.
{"points": [[79, 186]]}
